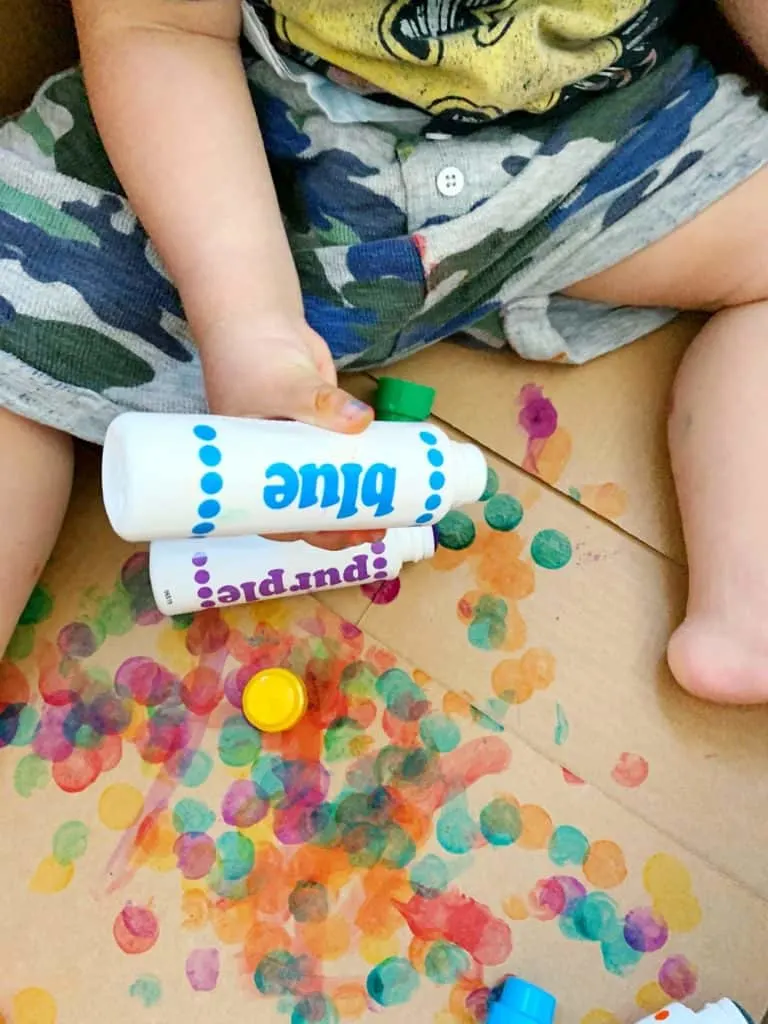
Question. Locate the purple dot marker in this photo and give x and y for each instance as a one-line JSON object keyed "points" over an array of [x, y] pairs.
{"points": [[202, 576], [200, 559], [205, 592], [379, 563]]}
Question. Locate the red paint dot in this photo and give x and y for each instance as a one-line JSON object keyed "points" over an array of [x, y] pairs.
{"points": [[207, 634], [631, 770], [382, 593], [570, 778], [202, 689], [135, 929], [109, 752], [662, 1015], [78, 771]]}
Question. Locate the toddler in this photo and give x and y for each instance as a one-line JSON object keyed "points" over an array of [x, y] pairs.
{"points": [[338, 183]]}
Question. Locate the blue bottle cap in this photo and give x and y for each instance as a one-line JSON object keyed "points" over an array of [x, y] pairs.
{"points": [[523, 1003]]}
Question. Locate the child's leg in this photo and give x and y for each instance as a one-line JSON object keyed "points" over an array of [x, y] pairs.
{"points": [[36, 470], [718, 434]]}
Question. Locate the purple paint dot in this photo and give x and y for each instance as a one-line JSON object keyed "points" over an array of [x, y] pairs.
{"points": [[538, 417], [202, 576], [200, 559], [205, 592], [208, 604], [378, 548], [645, 931], [380, 563], [202, 969]]}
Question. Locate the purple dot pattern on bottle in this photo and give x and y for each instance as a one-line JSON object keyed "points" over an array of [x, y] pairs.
{"points": [[210, 482], [202, 577], [435, 458], [380, 562]]}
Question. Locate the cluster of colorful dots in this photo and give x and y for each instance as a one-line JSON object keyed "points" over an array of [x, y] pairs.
{"points": [[202, 579], [380, 562], [436, 478], [211, 482]]}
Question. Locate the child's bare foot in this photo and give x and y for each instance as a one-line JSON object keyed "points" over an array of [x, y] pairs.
{"points": [[717, 662]]}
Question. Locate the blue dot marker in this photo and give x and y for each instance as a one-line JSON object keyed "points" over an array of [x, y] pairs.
{"points": [[522, 1003]]}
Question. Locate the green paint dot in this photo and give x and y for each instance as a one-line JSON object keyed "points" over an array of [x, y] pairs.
{"points": [[70, 842], [430, 875], [21, 643], [339, 737], [444, 963], [147, 989], [38, 607], [26, 729], [183, 621], [501, 823], [393, 982], [503, 512], [562, 726], [596, 919], [491, 484], [551, 549], [568, 845], [196, 768], [31, 773], [239, 742], [440, 733], [192, 816], [456, 531]]}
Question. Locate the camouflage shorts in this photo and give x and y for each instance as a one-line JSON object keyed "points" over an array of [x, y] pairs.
{"points": [[400, 239]]}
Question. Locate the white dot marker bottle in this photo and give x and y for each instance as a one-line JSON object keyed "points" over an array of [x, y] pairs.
{"points": [[172, 476], [190, 575], [723, 1012]]}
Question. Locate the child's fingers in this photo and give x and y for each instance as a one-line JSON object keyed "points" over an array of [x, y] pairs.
{"points": [[310, 399], [333, 541]]}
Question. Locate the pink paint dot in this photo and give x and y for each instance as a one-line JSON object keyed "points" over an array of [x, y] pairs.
{"points": [[78, 771], [202, 969], [645, 930], [570, 778], [382, 593], [678, 978], [135, 929], [202, 576], [538, 416], [195, 854], [631, 770], [144, 681]]}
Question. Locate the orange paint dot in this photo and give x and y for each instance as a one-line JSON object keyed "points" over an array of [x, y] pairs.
{"points": [[194, 907], [630, 771], [605, 866], [515, 908], [537, 827], [14, 688], [326, 940], [608, 500], [351, 1001]]}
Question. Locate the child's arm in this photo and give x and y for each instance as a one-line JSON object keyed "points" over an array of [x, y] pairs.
{"points": [[750, 19], [170, 98]]}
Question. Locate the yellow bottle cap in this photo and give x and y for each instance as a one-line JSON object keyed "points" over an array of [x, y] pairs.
{"points": [[274, 700]]}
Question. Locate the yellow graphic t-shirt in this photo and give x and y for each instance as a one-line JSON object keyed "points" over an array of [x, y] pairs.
{"points": [[473, 60]]}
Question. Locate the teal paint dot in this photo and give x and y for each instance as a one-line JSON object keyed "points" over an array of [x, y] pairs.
{"points": [[562, 726], [239, 742], [192, 816], [430, 875], [491, 484], [278, 974], [456, 830], [70, 841], [574, 493], [445, 963], [27, 726], [268, 777], [618, 957], [567, 845], [393, 982], [315, 1009], [596, 919], [501, 822], [440, 733], [503, 512], [196, 767], [147, 989], [32, 773], [456, 531], [236, 855], [404, 698], [38, 608], [551, 549]]}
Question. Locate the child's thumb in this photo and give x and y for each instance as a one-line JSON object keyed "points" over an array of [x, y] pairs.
{"points": [[308, 398]]}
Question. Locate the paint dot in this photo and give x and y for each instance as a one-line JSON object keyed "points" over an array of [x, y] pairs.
{"points": [[630, 771], [433, 501], [308, 902], [445, 963], [562, 726], [236, 855], [201, 529], [678, 978], [208, 509], [600, 1017], [135, 929], [437, 481], [568, 845], [428, 438], [430, 876], [51, 876], [425, 517], [204, 432], [200, 559], [34, 1006], [382, 593], [144, 681], [120, 806], [440, 733], [195, 768], [239, 743], [195, 854], [209, 455], [456, 531], [202, 969], [70, 841], [211, 483], [192, 816], [393, 982], [147, 989], [435, 457], [645, 931], [31, 773], [605, 867], [243, 806], [594, 917], [491, 484], [278, 973], [456, 830], [538, 416], [551, 549], [501, 822], [503, 512], [77, 640], [38, 608]]}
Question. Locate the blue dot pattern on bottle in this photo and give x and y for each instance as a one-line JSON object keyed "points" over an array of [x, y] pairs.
{"points": [[435, 458], [211, 483]]}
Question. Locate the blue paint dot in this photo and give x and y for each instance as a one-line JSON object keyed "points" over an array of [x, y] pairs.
{"points": [[433, 501], [428, 438], [435, 457], [425, 518], [211, 483], [208, 509], [204, 432], [209, 456], [437, 481], [200, 529]]}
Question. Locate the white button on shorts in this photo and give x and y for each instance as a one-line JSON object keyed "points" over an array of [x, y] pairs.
{"points": [[450, 182]]}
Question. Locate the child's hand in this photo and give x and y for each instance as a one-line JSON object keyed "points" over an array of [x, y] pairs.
{"points": [[283, 371]]}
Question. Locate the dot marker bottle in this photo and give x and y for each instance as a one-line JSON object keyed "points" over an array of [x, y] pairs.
{"points": [[172, 476], [274, 700], [723, 1012], [402, 401], [190, 575]]}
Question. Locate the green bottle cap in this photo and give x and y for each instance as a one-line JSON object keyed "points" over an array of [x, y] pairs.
{"points": [[403, 401]]}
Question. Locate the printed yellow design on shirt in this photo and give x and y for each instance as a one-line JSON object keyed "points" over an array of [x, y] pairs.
{"points": [[485, 57]]}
